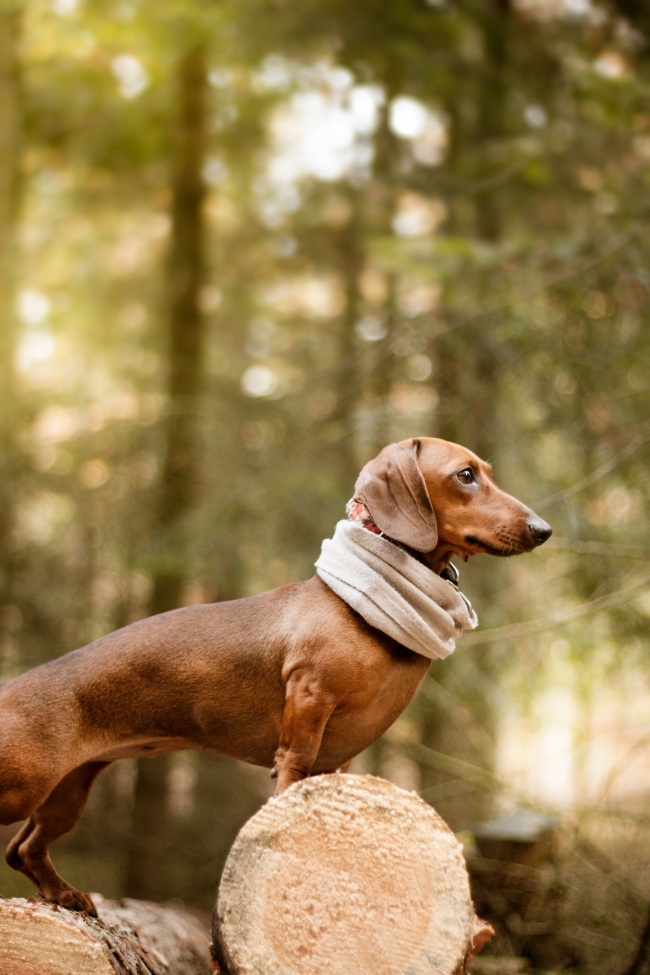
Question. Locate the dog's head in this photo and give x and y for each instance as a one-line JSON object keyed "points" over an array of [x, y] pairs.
{"points": [[440, 499]]}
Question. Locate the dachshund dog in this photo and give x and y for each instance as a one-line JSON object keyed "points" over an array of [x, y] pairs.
{"points": [[293, 678]]}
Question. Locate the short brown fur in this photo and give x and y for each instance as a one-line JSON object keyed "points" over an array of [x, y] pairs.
{"points": [[292, 678]]}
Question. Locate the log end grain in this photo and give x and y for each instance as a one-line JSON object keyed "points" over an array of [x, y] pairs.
{"points": [[345, 874]]}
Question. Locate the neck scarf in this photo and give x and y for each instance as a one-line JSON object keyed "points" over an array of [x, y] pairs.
{"points": [[394, 592]]}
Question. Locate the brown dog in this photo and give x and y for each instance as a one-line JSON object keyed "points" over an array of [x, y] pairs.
{"points": [[292, 678]]}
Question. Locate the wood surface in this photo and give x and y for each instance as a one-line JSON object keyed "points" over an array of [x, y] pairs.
{"points": [[345, 875], [129, 938]]}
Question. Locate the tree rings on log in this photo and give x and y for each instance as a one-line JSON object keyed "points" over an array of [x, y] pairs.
{"points": [[130, 938], [345, 875]]}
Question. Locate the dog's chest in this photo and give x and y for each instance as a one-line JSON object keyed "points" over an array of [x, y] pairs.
{"points": [[373, 705]]}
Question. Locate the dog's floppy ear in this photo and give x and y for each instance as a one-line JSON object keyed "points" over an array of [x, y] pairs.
{"points": [[393, 490]]}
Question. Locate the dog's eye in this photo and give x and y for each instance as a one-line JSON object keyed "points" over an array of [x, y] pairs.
{"points": [[466, 476]]}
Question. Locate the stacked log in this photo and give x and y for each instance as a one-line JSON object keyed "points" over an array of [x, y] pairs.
{"points": [[129, 938], [341, 875], [345, 875]]}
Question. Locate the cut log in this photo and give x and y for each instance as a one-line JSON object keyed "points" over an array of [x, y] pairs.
{"points": [[130, 938], [345, 875]]}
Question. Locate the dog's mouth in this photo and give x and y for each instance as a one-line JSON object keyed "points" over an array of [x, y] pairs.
{"points": [[509, 545]]}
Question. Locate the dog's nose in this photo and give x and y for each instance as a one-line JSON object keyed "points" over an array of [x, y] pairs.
{"points": [[539, 531]]}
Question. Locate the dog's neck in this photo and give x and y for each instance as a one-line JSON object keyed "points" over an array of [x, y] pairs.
{"points": [[359, 514]]}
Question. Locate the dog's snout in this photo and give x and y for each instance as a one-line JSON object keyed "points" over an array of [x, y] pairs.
{"points": [[539, 530]]}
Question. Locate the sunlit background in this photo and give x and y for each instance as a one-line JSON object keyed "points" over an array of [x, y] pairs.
{"points": [[242, 247]]}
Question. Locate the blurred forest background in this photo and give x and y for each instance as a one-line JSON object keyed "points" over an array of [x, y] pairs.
{"points": [[243, 246]]}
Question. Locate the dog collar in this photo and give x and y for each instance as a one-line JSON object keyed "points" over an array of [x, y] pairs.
{"points": [[451, 574], [359, 515]]}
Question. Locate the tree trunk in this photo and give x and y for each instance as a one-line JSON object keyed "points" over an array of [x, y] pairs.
{"points": [[186, 326], [345, 874], [457, 768], [146, 869], [130, 938], [349, 246]]}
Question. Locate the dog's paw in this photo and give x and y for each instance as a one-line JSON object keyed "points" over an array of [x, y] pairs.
{"points": [[74, 900]]}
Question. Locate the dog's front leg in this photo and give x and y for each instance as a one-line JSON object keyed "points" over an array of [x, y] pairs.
{"points": [[307, 710]]}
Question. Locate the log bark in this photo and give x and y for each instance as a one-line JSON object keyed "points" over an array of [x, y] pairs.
{"points": [[345, 874], [130, 938]]}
